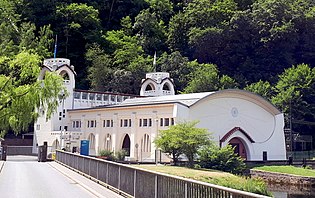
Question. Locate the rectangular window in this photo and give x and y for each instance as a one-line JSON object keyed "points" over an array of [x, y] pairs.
{"points": [[140, 122], [150, 122], [111, 123], [125, 123], [73, 124], [166, 122], [92, 123], [129, 122], [107, 123], [172, 121], [37, 127], [88, 124], [121, 123], [78, 124], [104, 123], [161, 122], [145, 122]]}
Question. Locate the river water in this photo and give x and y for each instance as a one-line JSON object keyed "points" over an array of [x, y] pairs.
{"points": [[291, 191]]}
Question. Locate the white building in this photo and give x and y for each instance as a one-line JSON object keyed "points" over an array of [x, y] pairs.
{"points": [[114, 122]]}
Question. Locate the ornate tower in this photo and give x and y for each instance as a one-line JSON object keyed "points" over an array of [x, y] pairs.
{"points": [[50, 130], [157, 84]]}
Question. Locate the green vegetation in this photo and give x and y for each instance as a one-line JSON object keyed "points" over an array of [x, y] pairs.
{"points": [[213, 177], [109, 155], [224, 159], [265, 46], [288, 170], [183, 138]]}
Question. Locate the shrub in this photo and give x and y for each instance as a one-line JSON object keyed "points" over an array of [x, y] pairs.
{"points": [[223, 159], [105, 153], [120, 155]]}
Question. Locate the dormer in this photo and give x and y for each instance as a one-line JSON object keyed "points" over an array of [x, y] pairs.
{"points": [[62, 67], [157, 84]]}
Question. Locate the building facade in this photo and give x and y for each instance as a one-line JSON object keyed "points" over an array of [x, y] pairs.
{"points": [[114, 122]]}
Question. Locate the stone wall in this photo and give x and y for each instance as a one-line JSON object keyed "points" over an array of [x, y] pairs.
{"points": [[281, 178]]}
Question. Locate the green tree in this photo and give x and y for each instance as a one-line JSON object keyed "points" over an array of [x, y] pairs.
{"points": [[21, 93], [183, 138], [205, 77], [178, 66], [295, 92], [262, 88], [150, 31]]}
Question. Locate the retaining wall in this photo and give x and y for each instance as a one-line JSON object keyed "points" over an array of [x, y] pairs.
{"points": [[281, 178]]}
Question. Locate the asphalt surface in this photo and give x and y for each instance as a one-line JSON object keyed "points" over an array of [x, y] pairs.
{"points": [[24, 177]]}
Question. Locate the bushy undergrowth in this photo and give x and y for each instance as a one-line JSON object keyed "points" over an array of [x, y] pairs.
{"points": [[245, 184], [223, 159]]}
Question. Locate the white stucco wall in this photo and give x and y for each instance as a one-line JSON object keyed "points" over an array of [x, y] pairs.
{"points": [[221, 114]]}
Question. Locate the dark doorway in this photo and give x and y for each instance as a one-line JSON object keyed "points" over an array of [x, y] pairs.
{"points": [[239, 147], [126, 145]]}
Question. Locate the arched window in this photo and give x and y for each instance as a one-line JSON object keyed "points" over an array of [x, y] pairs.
{"points": [[64, 75], [166, 87], [126, 145], [149, 87], [108, 142], [91, 139], [145, 143]]}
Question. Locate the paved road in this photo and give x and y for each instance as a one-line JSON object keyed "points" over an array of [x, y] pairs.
{"points": [[24, 177]]}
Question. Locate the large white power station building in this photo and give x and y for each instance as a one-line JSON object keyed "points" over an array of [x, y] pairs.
{"points": [[119, 121]]}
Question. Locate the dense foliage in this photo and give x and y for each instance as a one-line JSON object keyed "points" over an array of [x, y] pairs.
{"points": [[183, 138], [224, 159], [206, 45]]}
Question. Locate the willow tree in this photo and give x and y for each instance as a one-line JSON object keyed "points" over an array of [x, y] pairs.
{"points": [[21, 92]]}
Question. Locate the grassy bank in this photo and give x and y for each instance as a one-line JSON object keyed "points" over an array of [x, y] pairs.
{"points": [[288, 170], [213, 177]]}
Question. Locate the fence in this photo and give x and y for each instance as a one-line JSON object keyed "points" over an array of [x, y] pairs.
{"points": [[19, 150], [299, 155], [139, 183]]}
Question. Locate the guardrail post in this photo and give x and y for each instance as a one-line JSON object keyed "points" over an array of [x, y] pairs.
{"points": [[186, 190], [156, 186], [134, 183], [107, 173], [119, 177], [97, 162]]}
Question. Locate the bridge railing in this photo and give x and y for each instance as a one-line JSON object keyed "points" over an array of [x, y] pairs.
{"points": [[140, 183]]}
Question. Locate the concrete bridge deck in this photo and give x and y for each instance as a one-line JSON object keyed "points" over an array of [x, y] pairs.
{"points": [[23, 176]]}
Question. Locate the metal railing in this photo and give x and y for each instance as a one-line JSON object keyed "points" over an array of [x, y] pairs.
{"points": [[139, 183], [299, 155]]}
